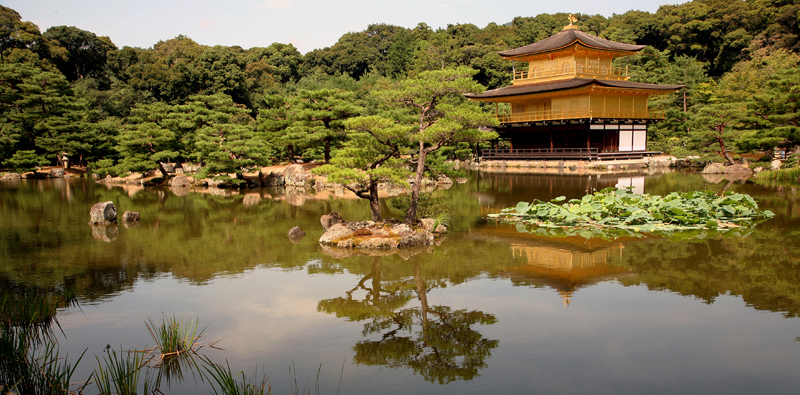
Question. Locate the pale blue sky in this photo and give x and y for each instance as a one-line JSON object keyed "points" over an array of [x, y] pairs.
{"points": [[308, 24]]}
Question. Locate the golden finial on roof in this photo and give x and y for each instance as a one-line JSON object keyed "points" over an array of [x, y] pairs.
{"points": [[572, 19]]}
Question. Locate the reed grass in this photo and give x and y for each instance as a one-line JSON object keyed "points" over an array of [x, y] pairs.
{"points": [[174, 335], [29, 357], [119, 374], [295, 390], [792, 174], [223, 381]]}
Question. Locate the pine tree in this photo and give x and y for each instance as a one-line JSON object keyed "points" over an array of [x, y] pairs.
{"points": [[319, 116], [274, 122], [439, 115], [226, 137], [775, 113], [370, 156], [147, 140]]}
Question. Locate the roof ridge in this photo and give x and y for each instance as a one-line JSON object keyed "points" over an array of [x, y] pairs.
{"points": [[565, 38]]}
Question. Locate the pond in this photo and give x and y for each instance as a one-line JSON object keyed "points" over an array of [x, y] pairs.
{"points": [[488, 310]]}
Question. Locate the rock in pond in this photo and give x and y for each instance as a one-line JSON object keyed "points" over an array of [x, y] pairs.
{"points": [[180, 181], [741, 171], [130, 216], [330, 219], [714, 168], [296, 232], [103, 213], [387, 234]]}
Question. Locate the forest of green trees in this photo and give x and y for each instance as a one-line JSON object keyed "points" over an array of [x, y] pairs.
{"points": [[68, 94]]}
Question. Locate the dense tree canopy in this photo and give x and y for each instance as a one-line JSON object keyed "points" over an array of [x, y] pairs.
{"points": [[69, 91]]}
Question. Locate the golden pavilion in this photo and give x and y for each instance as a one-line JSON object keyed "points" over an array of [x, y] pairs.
{"points": [[570, 102]]}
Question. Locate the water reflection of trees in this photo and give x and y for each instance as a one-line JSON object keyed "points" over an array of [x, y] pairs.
{"points": [[44, 237], [435, 341], [763, 268]]}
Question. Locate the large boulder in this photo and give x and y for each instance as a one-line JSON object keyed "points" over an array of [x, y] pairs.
{"points": [[379, 243], [740, 171], [775, 164], [714, 168], [381, 235], [103, 213], [428, 224], [274, 179], [190, 168], [335, 233], [296, 176], [331, 219], [169, 167], [180, 181], [56, 173], [11, 177]]}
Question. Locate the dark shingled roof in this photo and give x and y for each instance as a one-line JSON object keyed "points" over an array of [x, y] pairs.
{"points": [[566, 38], [526, 89]]}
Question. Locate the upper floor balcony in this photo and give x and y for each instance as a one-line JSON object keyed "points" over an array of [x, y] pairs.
{"points": [[570, 70], [506, 117]]}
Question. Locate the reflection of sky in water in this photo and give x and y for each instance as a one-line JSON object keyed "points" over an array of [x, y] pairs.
{"points": [[611, 339]]}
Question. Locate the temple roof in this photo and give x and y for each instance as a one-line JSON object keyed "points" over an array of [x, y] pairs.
{"points": [[566, 38], [552, 86]]}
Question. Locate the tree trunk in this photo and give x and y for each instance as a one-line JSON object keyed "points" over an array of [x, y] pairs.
{"points": [[327, 150], [163, 170], [290, 152], [725, 152], [374, 202], [411, 214]]}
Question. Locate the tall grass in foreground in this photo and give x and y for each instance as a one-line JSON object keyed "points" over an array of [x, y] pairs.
{"points": [[792, 174], [33, 368], [230, 384], [306, 390], [119, 373], [29, 359]]}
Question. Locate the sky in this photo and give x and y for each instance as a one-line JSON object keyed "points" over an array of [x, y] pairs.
{"points": [[307, 24]]}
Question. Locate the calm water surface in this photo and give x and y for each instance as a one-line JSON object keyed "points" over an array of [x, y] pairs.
{"points": [[488, 310]]}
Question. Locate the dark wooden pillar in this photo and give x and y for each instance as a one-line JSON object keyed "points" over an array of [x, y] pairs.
{"points": [[588, 139]]}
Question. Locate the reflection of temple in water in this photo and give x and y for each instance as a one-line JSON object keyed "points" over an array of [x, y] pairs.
{"points": [[496, 191], [564, 264]]}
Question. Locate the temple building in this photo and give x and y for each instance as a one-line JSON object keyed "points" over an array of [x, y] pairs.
{"points": [[570, 102]]}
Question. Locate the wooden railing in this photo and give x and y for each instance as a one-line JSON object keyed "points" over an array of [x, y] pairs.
{"points": [[575, 70], [562, 153], [550, 115], [541, 153]]}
